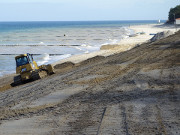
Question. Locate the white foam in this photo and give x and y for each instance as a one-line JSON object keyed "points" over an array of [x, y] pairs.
{"points": [[78, 48], [86, 52], [41, 43], [59, 57], [84, 45], [46, 59]]}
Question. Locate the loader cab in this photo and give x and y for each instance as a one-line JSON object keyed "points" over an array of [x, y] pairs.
{"points": [[23, 59], [25, 63]]}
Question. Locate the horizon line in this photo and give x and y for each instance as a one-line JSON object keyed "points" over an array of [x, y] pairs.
{"points": [[81, 20]]}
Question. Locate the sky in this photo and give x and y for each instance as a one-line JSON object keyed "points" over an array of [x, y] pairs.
{"points": [[85, 10]]}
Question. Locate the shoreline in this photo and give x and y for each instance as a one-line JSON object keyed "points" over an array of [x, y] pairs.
{"points": [[125, 44]]}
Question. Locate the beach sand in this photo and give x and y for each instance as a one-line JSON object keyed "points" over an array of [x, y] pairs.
{"points": [[133, 89]]}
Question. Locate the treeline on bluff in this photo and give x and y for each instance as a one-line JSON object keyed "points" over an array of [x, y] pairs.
{"points": [[173, 14]]}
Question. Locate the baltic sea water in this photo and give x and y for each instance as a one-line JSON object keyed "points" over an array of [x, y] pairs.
{"points": [[53, 41]]}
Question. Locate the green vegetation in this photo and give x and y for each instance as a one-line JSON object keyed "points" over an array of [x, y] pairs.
{"points": [[174, 13]]}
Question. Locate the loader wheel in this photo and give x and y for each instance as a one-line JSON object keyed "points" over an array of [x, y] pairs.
{"points": [[17, 80]]}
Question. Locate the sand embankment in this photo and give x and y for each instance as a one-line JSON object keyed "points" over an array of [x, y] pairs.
{"points": [[132, 92]]}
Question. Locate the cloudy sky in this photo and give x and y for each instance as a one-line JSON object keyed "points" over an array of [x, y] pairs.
{"points": [[82, 10]]}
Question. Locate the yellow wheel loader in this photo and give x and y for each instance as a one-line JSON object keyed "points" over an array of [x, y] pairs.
{"points": [[28, 69]]}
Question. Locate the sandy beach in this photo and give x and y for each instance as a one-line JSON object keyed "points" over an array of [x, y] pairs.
{"points": [[129, 88]]}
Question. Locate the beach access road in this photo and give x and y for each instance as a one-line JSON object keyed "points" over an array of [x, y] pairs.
{"points": [[133, 92]]}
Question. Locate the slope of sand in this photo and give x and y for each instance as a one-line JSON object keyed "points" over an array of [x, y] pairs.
{"points": [[132, 92]]}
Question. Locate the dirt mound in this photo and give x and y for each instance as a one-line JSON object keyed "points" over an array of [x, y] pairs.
{"points": [[108, 47], [172, 39], [92, 60], [161, 35], [64, 65], [60, 68]]}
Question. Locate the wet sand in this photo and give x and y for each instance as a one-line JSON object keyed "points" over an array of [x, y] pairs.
{"points": [[134, 91]]}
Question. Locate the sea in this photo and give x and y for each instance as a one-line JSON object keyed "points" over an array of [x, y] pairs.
{"points": [[51, 41]]}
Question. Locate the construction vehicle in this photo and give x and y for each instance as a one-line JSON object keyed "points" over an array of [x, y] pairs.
{"points": [[28, 69]]}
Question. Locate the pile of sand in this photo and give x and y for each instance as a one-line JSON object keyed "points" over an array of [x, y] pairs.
{"points": [[161, 35]]}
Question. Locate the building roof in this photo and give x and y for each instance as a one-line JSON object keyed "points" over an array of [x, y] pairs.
{"points": [[177, 18]]}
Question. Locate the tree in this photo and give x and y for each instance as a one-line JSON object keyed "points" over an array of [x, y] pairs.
{"points": [[174, 13]]}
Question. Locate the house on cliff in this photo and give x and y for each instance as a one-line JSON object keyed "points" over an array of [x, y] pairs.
{"points": [[177, 21]]}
